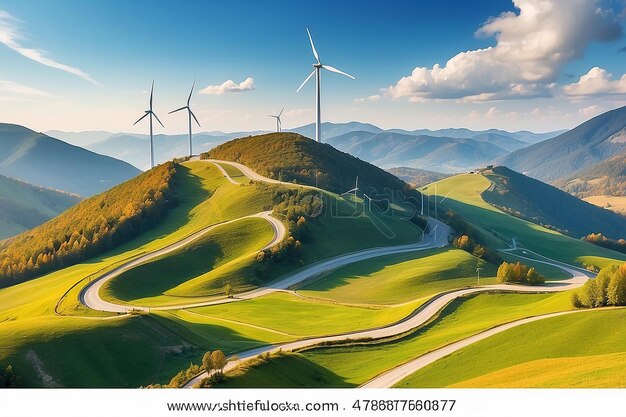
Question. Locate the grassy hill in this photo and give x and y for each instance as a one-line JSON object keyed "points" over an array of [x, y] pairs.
{"points": [[292, 157], [24, 206], [604, 178], [417, 177], [41, 160], [595, 140], [578, 350], [96, 225], [544, 204]]}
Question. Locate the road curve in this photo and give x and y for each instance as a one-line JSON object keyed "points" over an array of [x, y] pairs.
{"points": [[225, 174], [90, 294], [418, 318], [392, 377]]}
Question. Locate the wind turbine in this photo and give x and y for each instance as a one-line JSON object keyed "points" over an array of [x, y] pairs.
{"points": [[151, 113], [318, 66], [278, 122], [190, 114], [355, 189]]}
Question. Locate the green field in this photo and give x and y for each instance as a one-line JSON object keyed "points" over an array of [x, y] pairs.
{"points": [[297, 316], [192, 266], [356, 364], [581, 340], [400, 278], [235, 173], [497, 228]]}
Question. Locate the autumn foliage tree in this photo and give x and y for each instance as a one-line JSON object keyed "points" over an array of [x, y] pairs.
{"points": [[518, 273], [92, 227], [607, 289]]}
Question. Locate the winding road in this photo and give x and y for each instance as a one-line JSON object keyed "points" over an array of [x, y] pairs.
{"points": [[436, 237]]}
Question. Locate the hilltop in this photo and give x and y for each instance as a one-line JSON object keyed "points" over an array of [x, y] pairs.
{"points": [[41, 160], [594, 141], [293, 157], [544, 204], [24, 206], [417, 177]]}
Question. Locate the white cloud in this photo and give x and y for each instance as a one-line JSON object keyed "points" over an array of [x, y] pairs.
{"points": [[230, 86], [591, 111], [13, 87], [370, 99], [11, 37], [531, 48], [596, 82], [299, 112]]}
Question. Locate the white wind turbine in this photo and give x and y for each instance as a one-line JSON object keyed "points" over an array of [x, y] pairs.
{"points": [[318, 66], [279, 125], [190, 114], [355, 189], [151, 113]]}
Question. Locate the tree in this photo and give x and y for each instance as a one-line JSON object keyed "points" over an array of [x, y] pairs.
{"points": [[219, 361], [534, 278], [207, 362], [228, 290], [7, 378], [616, 291], [590, 295]]}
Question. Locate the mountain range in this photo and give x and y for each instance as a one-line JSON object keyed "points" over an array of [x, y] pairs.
{"points": [[47, 162]]}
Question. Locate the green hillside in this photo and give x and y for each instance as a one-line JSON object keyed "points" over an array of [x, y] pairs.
{"points": [[544, 204], [41, 160], [292, 157], [595, 140], [417, 177], [24, 206], [92, 227]]}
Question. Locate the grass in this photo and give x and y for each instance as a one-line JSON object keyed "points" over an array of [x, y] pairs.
{"points": [[192, 266], [306, 317], [235, 173], [358, 363], [400, 278], [576, 338], [497, 228]]}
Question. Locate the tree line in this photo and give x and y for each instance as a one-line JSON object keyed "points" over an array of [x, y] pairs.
{"points": [[92, 227], [599, 239], [607, 289]]}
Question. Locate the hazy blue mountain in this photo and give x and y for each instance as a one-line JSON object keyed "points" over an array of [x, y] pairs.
{"points": [[335, 129], [523, 136], [81, 139], [24, 206], [596, 140], [41, 160], [387, 149]]}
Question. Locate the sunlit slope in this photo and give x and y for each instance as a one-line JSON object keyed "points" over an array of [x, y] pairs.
{"points": [[590, 347], [463, 195]]}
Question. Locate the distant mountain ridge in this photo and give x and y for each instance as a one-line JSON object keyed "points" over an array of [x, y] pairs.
{"points": [[47, 162], [595, 140], [604, 178], [133, 148], [24, 206]]}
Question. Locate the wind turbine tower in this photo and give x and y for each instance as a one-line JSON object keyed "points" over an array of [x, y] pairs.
{"points": [[190, 115], [150, 113], [279, 124], [318, 66]]}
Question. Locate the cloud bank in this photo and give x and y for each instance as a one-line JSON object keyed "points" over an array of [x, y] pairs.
{"points": [[531, 48], [230, 86]]}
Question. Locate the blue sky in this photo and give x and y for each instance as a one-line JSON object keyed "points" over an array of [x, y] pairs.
{"points": [[105, 54]]}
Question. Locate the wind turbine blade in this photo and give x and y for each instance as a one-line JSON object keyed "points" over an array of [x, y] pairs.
{"points": [[333, 69], [141, 118], [191, 92], [194, 117], [281, 112], [305, 81], [174, 111], [313, 47], [157, 117], [151, 91]]}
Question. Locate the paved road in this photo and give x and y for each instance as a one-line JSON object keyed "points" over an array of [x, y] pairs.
{"points": [[418, 318], [392, 377], [90, 295]]}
